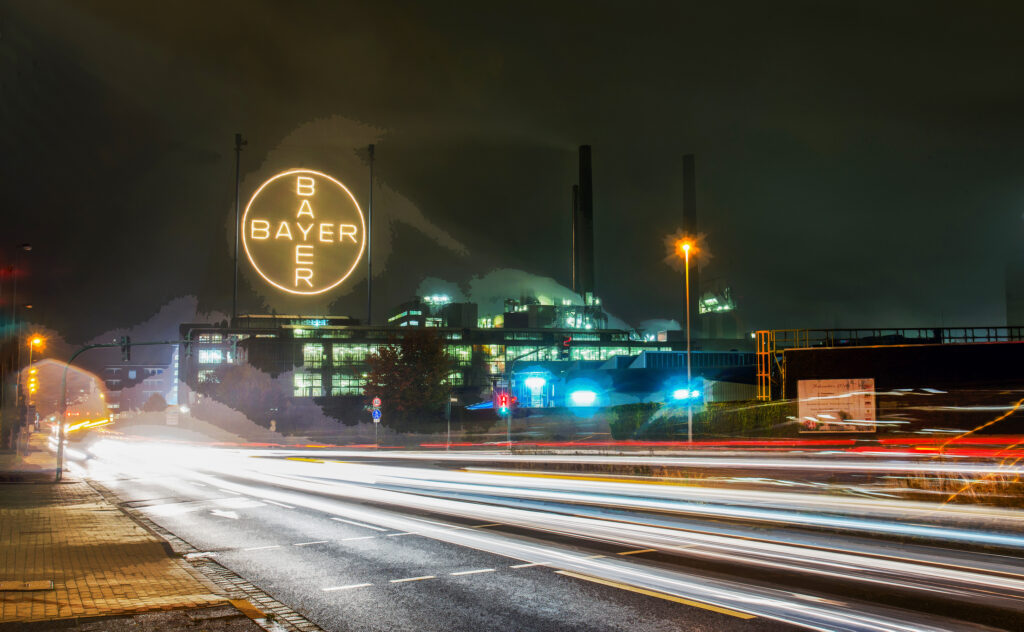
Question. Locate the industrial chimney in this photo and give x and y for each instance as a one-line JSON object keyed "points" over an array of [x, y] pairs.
{"points": [[583, 229]]}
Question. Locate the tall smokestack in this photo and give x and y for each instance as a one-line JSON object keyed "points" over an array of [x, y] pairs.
{"points": [[585, 233], [574, 257], [691, 229]]}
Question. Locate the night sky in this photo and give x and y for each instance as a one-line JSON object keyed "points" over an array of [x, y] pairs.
{"points": [[858, 163]]}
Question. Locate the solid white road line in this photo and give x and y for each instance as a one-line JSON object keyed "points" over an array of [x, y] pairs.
{"points": [[360, 524]]}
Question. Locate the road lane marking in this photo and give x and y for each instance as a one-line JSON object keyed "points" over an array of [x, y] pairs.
{"points": [[263, 548], [360, 524], [530, 564], [313, 542], [481, 570], [594, 557], [636, 552], [332, 588], [484, 526], [274, 502], [413, 579], [228, 491], [363, 537], [299, 458], [659, 595], [392, 535]]}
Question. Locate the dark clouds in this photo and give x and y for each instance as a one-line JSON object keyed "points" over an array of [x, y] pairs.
{"points": [[858, 164]]}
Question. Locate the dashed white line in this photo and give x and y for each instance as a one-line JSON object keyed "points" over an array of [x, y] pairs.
{"points": [[481, 570], [364, 537], [392, 535], [262, 548], [412, 579], [332, 588], [529, 565], [308, 543], [360, 524], [274, 502]]}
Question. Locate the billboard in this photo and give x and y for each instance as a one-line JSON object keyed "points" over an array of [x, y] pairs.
{"points": [[303, 232], [844, 405]]}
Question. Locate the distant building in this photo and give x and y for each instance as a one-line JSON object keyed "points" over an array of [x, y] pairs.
{"points": [[130, 385]]}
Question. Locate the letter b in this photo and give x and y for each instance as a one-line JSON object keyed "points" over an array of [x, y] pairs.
{"points": [[305, 185]]}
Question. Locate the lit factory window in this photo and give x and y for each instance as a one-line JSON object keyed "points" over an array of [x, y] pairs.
{"points": [[346, 384], [313, 355], [211, 356], [308, 385]]}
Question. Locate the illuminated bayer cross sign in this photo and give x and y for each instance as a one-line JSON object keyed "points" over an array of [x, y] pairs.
{"points": [[303, 232]]}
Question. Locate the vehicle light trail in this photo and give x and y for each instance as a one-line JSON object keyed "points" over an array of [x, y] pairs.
{"points": [[812, 534]]}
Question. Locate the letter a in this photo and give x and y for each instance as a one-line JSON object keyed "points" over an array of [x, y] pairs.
{"points": [[305, 186], [283, 231], [305, 209]]}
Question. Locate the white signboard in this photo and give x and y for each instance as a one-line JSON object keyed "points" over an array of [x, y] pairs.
{"points": [[846, 405]]}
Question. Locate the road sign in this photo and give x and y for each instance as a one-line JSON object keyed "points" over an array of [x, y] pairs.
{"points": [[376, 415], [376, 402]]}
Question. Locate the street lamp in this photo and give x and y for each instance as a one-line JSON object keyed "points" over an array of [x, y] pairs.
{"points": [[686, 245], [682, 247]]}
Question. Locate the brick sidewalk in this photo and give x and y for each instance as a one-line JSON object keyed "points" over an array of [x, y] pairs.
{"points": [[100, 561]]}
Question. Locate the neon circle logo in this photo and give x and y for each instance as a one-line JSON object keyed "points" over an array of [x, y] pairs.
{"points": [[303, 232]]}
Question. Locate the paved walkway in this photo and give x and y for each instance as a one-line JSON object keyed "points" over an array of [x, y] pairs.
{"points": [[100, 562], [33, 460]]}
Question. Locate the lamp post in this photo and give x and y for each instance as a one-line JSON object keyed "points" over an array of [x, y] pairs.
{"points": [[683, 245], [689, 402], [14, 319]]}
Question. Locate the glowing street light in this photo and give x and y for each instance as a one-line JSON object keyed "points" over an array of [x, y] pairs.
{"points": [[682, 246]]}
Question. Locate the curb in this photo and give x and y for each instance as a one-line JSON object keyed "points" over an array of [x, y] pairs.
{"points": [[276, 616]]}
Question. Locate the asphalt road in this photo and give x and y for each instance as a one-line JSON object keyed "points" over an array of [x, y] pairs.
{"points": [[357, 543]]}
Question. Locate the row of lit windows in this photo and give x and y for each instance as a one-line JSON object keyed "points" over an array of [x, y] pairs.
{"points": [[312, 384], [314, 356]]}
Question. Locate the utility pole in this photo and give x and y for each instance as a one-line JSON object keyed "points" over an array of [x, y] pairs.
{"points": [[239, 143], [369, 248], [15, 325]]}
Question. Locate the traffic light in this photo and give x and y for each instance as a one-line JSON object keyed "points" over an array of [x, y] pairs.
{"points": [[563, 351], [503, 402], [126, 348]]}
